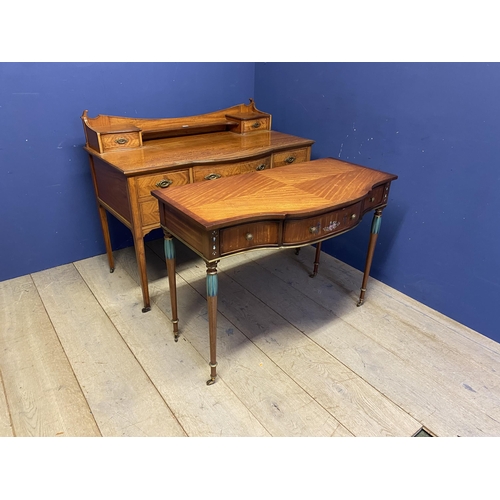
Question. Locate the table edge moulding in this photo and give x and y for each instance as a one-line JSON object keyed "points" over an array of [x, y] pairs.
{"points": [[130, 157]]}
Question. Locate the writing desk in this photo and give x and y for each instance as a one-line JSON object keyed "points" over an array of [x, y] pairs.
{"points": [[290, 206], [130, 156]]}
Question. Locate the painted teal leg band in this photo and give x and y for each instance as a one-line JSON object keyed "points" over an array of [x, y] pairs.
{"points": [[377, 221], [169, 249], [212, 285]]}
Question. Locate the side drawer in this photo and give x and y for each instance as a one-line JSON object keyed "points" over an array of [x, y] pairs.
{"points": [[246, 236], [229, 169], [254, 125], [147, 183], [291, 156], [375, 197], [300, 231], [119, 141]]}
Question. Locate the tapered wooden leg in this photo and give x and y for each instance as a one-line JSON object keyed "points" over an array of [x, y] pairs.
{"points": [[107, 240], [212, 290], [170, 260], [377, 221], [140, 255], [316, 260]]}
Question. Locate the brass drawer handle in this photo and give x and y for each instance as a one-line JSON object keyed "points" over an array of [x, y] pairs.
{"points": [[314, 229], [261, 167], [353, 216], [164, 183], [256, 125], [249, 236], [372, 199], [211, 177], [290, 159], [121, 140]]}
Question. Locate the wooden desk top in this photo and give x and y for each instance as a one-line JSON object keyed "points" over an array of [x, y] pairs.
{"points": [[203, 149], [300, 190]]}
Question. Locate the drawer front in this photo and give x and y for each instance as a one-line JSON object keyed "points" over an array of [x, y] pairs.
{"points": [[291, 156], [150, 213], [118, 141], [376, 197], [229, 169], [246, 236], [316, 228], [254, 125], [147, 183]]}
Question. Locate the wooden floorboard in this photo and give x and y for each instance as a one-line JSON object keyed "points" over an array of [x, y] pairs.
{"points": [[342, 393], [174, 368], [447, 378], [43, 395], [296, 356], [275, 399], [120, 394]]}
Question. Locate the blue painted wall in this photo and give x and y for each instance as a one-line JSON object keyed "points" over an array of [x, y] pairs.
{"points": [[48, 214], [437, 126]]}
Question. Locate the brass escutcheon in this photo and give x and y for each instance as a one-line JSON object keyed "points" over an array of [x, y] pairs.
{"points": [[290, 159], [249, 236], [211, 177], [353, 216], [121, 140], [261, 167], [164, 183], [256, 125], [314, 229]]}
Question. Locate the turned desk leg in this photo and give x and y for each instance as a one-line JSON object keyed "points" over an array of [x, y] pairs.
{"points": [[316, 260], [170, 260], [377, 220], [107, 240], [212, 290]]}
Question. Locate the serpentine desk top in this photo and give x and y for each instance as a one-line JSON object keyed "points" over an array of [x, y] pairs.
{"points": [[299, 190]]}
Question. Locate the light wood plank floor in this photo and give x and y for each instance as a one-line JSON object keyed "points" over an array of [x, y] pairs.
{"points": [[296, 356]]}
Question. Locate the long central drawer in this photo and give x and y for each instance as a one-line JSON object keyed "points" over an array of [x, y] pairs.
{"points": [[298, 231], [207, 173]]}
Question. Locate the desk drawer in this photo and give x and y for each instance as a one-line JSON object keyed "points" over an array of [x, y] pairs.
{"points": [[254, 125], [229, 169], [246, 236], [119, 141], [296, 232], [376, 197], [290, 156], [147, 183]]}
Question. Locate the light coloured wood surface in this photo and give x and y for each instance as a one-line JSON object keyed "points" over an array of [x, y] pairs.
{"points": [[119, 392], [43, 395], [296, 357], [5, 423], [337, 388], [421, 373], [173, 367], [269, 394]]}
